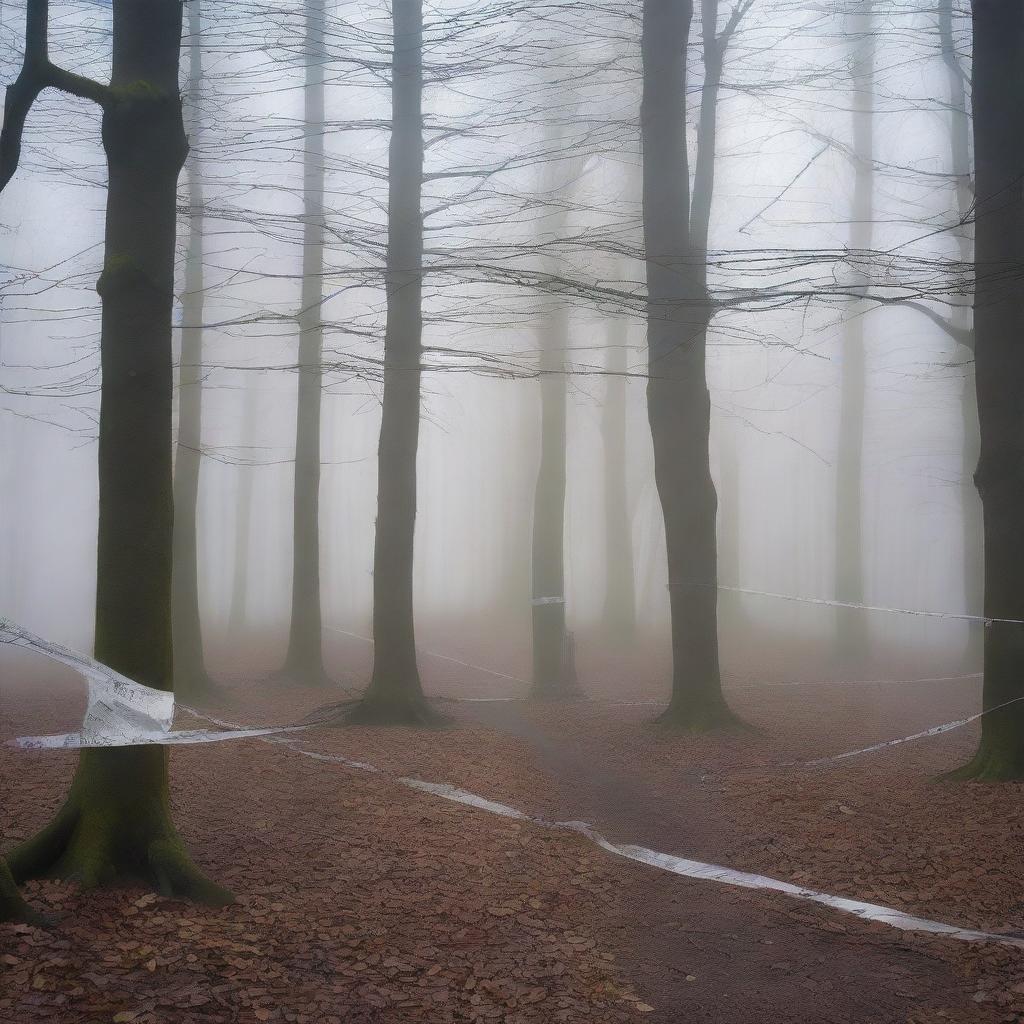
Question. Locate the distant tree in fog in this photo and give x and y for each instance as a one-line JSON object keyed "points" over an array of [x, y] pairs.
{"points": [[116, 821], [191, 679], [680, 310], [395, 694], [304, 660]]}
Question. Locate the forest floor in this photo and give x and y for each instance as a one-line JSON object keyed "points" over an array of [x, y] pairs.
{"points": [[361, 899]]}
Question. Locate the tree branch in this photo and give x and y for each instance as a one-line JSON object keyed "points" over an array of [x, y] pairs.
{"points": [[37, 74]]}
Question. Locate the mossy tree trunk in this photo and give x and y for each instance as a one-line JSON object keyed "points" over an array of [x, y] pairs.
{"points": [[395, 694], [998, 93], [304, 660], [116, 821], [13, 907], [191, 679], [678, 316]]}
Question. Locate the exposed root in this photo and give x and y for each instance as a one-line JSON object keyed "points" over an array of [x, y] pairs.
{"points": [[13, 907]]}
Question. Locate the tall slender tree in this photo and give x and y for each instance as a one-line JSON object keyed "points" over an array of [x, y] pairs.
{"points": [[237, 611], [852, 638], [619, 612], [116, 820], [395, 694], [304, 660], [553, 675], [679, 313], [998, 93], [191, 679]]}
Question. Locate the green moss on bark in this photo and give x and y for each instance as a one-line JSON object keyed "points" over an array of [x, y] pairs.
{"points": [[116, 825]]}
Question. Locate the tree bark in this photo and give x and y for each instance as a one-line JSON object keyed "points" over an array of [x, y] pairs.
{"points": [[678, 401], [191, 679], [395, 694], [852, 631], [13, 907], [620, 589], [998, 93], [117, 821], [304, 660]]}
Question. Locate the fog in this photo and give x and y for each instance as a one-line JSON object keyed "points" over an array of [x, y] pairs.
{"points": [[783, 180]]}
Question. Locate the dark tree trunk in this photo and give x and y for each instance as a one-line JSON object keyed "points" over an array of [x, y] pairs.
{"points": [[620, 589], [678, 402], [304, 660], [117, 821], [395, 694], [552, 663], [191, 680], [852, 635], [998, 93]]}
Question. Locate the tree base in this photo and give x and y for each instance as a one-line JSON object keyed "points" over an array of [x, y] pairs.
{"points": [[13, 908], [990, 765], [198, 688], [116, 826], [701, 718], [374, 710]]}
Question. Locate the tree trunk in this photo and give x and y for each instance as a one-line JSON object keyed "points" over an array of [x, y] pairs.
{"points": [[960, 160], [620, 589], [552, 676], [678, 402], [395, 695], [191, 680], [998, 92], [237, 615], [117, 820], [304, 660], [852, 636]]}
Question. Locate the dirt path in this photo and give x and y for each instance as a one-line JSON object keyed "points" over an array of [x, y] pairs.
{"points": [[706, 952]]}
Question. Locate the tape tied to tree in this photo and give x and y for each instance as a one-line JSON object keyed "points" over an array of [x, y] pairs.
{"points": [[120, 712]]}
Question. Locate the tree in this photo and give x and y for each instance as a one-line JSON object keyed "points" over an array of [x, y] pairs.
{"points": [[395, 694], [679, 312], [998, 92], [553, 674], [191, 680], [852, 640], [304, 660], [619, 613], [116, 821]]}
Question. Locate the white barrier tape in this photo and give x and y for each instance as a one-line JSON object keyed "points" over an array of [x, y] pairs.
{"points": [[715, 872], [120, 712], [935, 730], [831, 603], [547, 600]]}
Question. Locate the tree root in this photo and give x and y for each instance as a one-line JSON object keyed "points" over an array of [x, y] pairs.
{"points": [[13, 907], [102, 841]]}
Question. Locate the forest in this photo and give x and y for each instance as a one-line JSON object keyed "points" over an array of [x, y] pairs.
{"points": [[512, 510]]}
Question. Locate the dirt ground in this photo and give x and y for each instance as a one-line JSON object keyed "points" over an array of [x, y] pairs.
{"points": [[363, 900]]}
